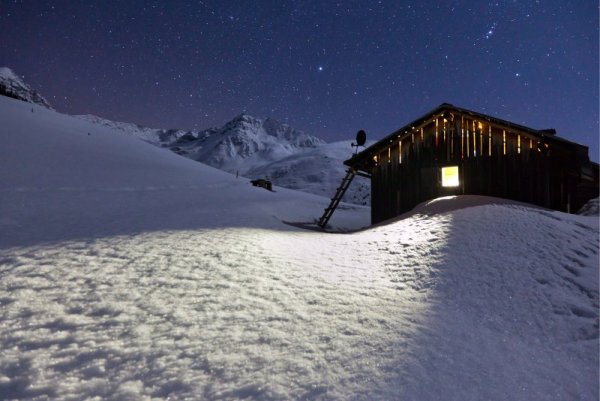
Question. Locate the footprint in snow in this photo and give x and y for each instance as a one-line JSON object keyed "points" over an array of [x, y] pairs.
{"points": [[582, 311]]}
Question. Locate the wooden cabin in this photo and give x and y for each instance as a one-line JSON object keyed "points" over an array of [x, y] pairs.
{"points": [[451, 151], [262, 183]]}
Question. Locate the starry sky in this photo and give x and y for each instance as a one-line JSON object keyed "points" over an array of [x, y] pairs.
{"points": [[328, 68]]}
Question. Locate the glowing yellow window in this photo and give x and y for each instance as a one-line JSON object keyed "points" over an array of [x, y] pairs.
{"points": [[450, 176]]}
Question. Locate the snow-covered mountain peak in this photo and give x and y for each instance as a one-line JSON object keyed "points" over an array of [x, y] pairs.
{"points": [[244, 143], [7, 73], [258, 148], [244, 118], [12, 85], [246, 125]]}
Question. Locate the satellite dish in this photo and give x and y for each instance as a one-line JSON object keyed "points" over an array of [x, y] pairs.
{"points": [[361, 138]]}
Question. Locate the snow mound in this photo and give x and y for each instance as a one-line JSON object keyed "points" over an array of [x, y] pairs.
{"points": [[591, 208], [13, 86], [473, 304], [446, 204]]}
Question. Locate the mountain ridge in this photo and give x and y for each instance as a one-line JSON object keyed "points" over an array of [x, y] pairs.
{"points": [[259, 148], [13, 86], [249, 146]]}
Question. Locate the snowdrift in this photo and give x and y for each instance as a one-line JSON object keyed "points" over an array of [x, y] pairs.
{"points": [[127, 272], [591, 208]]}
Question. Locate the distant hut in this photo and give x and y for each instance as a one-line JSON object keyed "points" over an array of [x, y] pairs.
{"points": [[451, 151], [263, 183]]}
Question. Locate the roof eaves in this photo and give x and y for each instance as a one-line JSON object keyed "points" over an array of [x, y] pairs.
{"points": [[382, 142], [542, 134]]}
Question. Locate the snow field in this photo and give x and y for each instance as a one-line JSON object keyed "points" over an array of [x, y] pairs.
{"points": [[238, 317], [407, 310]]}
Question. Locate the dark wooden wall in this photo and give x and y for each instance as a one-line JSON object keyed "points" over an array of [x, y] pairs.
{"points": [[492, 161]]}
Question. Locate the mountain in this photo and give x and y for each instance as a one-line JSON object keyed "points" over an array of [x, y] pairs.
{"points": [[130, 273], [156, 136], [318, 171], [259, 148], [12, 85], [85, 166], [244, 143], [264, 148]]}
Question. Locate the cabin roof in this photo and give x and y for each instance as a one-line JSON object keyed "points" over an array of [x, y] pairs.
{"points": [[546, 135]]}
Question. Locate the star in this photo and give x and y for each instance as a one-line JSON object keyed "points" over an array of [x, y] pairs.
{"points": [[491, 31], [225, 56]]}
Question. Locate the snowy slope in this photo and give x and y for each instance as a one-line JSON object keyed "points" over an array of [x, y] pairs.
{"points": [[258, 148], [12, 85], [55, 156], [127, 272], [155, 136], [318, 171]]}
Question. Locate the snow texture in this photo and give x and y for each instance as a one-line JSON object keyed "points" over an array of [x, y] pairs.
{"points": [[155, 136], [13, 86], [129, 273], [317, 171], [591, 208]]}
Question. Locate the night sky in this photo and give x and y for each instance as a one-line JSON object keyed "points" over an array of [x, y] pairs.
{"points": [[328, 68]]}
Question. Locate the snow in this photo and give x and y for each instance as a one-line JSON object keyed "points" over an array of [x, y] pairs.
{"points": [[13, 86], [591, 208], [128, 272], [244, 143], [9, 75], [259, 148], [156, 136], [54, 177], [318, 170]]}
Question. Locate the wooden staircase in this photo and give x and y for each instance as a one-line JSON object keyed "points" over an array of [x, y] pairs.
{"points": [[341, 190]]}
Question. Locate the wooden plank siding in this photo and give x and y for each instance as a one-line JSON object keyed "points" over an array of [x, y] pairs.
{"points": [[493, 160]]}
